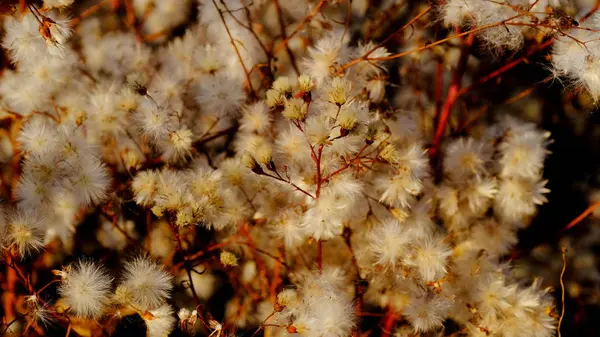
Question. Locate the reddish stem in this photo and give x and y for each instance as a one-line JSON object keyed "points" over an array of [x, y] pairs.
{"points": [[509, 65], [319, 182], [453, 94], [338, 171], [388, 323], [439, 71], [581, 216]]}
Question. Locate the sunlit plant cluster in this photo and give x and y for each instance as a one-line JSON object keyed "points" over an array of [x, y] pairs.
{"points": [[312, 157]]}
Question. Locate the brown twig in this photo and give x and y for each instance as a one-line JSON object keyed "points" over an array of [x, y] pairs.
{"points": [[187, 267], [237, 52], [304, 21], [429, 45], [348, 164], [284, 37], [91, 10]]}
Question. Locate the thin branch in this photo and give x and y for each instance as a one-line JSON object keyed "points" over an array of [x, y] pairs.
{"points": [[429, 45], [237, 52], [284, 36], [562, 288], [453, 94], [306, 19], [581, 216]]}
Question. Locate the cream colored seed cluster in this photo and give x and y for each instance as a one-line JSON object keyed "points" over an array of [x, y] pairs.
{"points": [[283, 163]]}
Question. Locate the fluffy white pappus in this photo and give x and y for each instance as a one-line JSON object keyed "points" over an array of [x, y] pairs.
{"points": [[325, 308], [427, 311], [209, 58], [414, 158], [517, 198], [160, 322], [255, 118], [371, 67], [466, 158], [405, 127], [389, 243], [314, 283], [205, 181], [429, 257], [322, 221], [34, 193], [161, 16], [577, 62], [104, 113], [331, 316], [85, 288], [56, 33], [220, 94], [256, 145], [494, 237], [117, 54], [23, 39], [144, 187], [329, 213], [179, 145], [455, 12], [65, 206], [523, 154], [53, 72], [177, 57], [491, 295], [291, 144], [339, 90], [419, 223], [43, 168], [289, 231], [156, 122], [376, 89], [479, 193], [405, 181], [171, 189], [230, 209], [75, 146], [146, 284], [332, 48], [318, 129], [530, 310], [167, 89], [24, 94], [91, 181], [37, 136], [50, 4], [503, 37], [24, 231], [399, 190], [42, 314]]}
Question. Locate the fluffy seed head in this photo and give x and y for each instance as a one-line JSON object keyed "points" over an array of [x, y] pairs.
{"points": [[85, 288], [146, 283]]}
